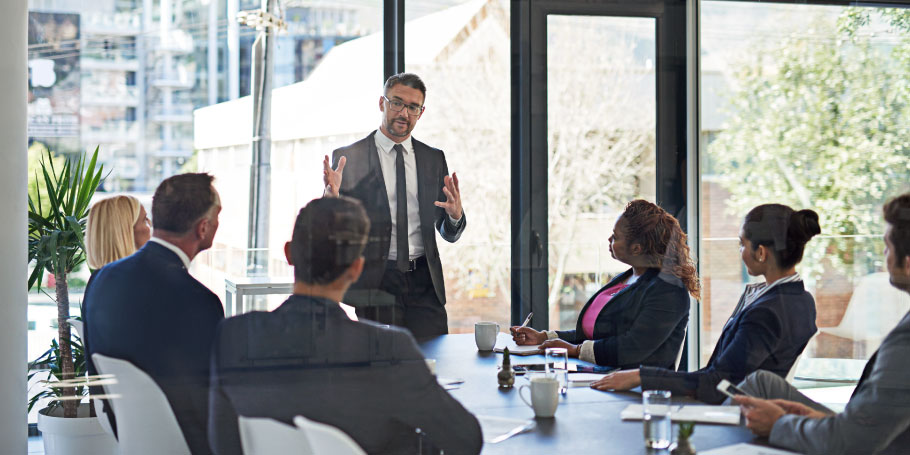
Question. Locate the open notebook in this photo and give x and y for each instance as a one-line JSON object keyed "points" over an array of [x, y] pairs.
{"points": [[504, 340]]}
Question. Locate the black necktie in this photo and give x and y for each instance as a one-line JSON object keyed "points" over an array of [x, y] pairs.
{"points": [[401, 217]]}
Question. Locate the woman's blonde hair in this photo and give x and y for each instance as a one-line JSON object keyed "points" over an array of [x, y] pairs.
{"points": [[109, 231]]}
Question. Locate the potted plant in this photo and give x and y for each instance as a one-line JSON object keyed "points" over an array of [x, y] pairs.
{"points": [[57, 215], [683, 445]]}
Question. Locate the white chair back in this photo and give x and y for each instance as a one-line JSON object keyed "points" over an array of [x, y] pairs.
{"points": [[326, 439], [145, 420], [265, 436]]}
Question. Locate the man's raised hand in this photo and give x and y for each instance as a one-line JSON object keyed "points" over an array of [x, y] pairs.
{"points": [[452, 204], [332, 178]]}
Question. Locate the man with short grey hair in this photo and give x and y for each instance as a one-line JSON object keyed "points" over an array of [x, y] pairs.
{"points": [[148, 310]]}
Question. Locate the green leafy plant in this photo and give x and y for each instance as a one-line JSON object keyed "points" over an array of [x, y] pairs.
{"points": [[50, 362], [686, 429], [56, 227]]}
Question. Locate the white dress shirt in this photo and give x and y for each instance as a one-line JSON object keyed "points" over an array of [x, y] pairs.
{"points": [[176, 249], [384, 147]]}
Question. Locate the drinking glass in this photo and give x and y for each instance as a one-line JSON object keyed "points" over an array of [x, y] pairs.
{"points": [[557, 365], [656, 419]]}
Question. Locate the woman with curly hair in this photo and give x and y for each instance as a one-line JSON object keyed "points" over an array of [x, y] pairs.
{"points": [[639, 317], [772, 322]]}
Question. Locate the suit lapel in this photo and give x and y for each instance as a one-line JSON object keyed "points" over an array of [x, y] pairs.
{"points": [[426, 179]]}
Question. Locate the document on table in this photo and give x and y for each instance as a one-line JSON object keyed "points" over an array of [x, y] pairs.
{"points": [[583, 379], [728, 415], [498, 429], [747, 449], [505, 341]]}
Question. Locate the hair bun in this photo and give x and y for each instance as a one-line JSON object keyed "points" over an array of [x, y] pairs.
{"points": [[804, 225]]}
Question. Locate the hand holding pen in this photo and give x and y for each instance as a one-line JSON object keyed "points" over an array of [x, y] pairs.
{"points": [[524, 335]]}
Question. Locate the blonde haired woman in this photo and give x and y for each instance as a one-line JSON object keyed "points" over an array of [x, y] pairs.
{"points": [[117, 227]]}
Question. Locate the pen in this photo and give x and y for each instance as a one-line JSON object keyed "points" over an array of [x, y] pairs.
{"points": [[527, 319]]}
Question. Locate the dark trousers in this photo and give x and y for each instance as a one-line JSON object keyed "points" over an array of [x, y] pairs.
{"points": [[416, 306]]}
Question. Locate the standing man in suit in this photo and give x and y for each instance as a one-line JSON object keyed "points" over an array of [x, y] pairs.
{"points": [[308, 358], [148, 310], [406, 189], [876, 420]]}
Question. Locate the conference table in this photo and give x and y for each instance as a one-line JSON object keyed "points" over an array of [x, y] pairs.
{"points": [[587, 421]]}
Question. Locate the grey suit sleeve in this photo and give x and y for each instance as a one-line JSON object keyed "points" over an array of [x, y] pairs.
{"points": [[877, 414], [422, 403], [448, 230]]}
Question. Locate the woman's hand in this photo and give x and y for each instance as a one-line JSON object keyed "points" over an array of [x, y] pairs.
{"points": [[571, 349], [526, 336], [619, 380]]}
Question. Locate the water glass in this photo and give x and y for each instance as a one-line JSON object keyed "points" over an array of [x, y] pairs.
{"points": [[557, 365], [656, 420]]}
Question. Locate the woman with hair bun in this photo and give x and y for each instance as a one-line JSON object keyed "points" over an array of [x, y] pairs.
{"points": [[639, 317], [772, 322]]}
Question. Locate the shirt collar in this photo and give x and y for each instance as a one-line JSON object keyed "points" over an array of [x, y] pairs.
{"points": [[180, 254], [385, 144]]}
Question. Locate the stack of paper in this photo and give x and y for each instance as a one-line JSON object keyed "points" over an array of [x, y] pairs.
{"points": [[747, 449], [728, 415]]}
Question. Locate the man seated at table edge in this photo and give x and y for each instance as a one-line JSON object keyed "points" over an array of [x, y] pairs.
{"points": [[307, 358], [876, 420]]}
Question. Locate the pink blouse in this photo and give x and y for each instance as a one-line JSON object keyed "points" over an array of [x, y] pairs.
{"points": [[600, 301]]}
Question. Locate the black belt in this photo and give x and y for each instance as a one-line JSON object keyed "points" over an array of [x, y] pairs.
{"points": [[412, 264]]}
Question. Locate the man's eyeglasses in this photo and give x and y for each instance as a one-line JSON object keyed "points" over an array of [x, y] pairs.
{"points": [[397, 106]]}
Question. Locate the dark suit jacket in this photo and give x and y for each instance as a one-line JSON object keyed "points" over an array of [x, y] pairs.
{"points": [[768, 335], [363, 180], [148, 310], [307, 358], [876, 420], [644, 324]]}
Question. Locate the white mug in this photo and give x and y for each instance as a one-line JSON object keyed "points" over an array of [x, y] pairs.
{"points": [[485, 335], [431, 365], [544, 395]]}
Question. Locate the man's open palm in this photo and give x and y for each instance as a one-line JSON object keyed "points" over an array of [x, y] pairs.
{"points": [[332, 178]]}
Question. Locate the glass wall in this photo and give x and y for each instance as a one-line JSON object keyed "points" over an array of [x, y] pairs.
{"points": [[601, 143], [461, 50], [805, 106]]}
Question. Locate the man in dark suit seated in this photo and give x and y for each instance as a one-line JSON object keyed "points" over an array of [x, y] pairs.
{"points": [[876, 420], [148, 310], [308, 358]]}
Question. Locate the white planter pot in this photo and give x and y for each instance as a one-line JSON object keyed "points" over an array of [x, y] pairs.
{"points": [[80, 436]]}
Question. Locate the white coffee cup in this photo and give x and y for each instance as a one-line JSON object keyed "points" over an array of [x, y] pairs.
{"points": [[431, 365], [544, 395], [485, 335]]}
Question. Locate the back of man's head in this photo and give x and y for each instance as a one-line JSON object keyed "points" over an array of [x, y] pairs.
{"points": [[181, 200], [897, 214], [329, 235]]}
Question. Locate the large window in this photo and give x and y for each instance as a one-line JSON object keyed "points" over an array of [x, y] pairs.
{"points": [[601, 147], [806, 106], [461, 50]]}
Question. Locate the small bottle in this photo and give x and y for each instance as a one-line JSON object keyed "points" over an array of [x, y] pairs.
{"points": [[506, 375]]}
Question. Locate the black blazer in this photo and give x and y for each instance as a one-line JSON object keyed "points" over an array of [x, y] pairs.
{"points": [[644, 324], [148, 310], [768, 335], [307, 358], [363, 180]]}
